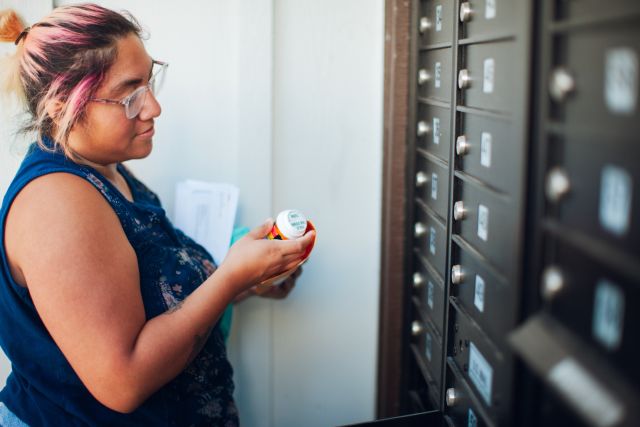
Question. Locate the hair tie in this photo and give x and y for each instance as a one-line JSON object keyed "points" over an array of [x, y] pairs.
{"points": [[22, 35]]}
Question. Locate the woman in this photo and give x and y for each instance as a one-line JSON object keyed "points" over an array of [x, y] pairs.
{"points": [[107, 312]]}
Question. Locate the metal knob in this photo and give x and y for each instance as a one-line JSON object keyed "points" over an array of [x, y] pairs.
{"points": [[418, 280], [457, 274], [562, 84], [423, 128], [464, 79], [557, 184], [459, 212], [423, 76], [421, 179], [453, 397], [425, 24], [419, 229], [465, 11], [553, 282], [416, 328], [462, 145]]}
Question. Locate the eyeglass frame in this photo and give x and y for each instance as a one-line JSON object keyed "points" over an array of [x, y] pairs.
{"points": [[126, 101]]}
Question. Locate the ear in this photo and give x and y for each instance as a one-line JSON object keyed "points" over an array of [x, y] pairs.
{"points": [[53, 110]]}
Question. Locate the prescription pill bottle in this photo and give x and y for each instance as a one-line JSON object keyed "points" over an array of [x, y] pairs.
{"points": [[289, 225]]}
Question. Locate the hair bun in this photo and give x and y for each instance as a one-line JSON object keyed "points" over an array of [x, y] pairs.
{"points": [[10, 26]]}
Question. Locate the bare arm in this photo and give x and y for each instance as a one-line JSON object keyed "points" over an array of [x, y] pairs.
{"points": [[67, 244]]}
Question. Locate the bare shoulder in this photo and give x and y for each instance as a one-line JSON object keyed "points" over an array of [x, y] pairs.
{"points": [[57, 215]]}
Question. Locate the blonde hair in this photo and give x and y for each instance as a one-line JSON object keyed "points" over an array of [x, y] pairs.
{"points": [[59, 63]]}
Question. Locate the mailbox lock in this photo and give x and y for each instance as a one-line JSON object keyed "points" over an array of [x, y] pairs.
{"points": [[557, 184], [416, 328], [562, 84], [423, 128], [465, 12], [459, 212], [462, 145], [418, 280], [425, 24], [419, 229], [553, 282], [453, 397], [457, 274], [421, 179], [423, 76], [464, 79]]}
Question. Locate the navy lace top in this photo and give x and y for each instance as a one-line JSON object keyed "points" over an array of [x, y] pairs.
{"points": [[43, 389]]}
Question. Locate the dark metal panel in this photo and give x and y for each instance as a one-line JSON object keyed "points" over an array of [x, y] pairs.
{"points": [[602, 193], [463, 406], [597, 78], [482, 18], [428, 353], [487, 223], [485, 295], [432, 184], [593, 10], [430, 238], [594, 389], [434, 74], [597, 304], [492, 77], [429, 292], [435, 22], [490, 150], [487, 369], [434, 133]]}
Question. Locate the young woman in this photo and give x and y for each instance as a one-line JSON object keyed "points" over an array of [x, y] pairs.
{"points": [[107, 312]]}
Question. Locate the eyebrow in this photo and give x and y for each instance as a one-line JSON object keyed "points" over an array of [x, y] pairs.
{"points": [[132, 82]]}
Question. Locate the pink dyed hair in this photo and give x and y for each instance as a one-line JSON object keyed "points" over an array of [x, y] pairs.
{"points": [[62, 61]]}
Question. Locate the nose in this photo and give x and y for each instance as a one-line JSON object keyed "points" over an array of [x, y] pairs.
{"points": [[151, 108]]}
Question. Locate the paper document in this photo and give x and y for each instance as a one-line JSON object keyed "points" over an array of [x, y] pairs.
{"points": [[206, 212]]}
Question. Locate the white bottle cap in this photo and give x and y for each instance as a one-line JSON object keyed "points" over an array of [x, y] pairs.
{"points": [[292, 223]]}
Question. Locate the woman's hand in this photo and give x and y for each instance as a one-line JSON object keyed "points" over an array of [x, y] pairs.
{"points": [[254, 259], [280, 291]]}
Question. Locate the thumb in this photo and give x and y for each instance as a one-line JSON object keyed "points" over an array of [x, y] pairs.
{"points": [[262, 230]]}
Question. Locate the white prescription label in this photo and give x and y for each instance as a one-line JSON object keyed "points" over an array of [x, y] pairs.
{"points": [[432, 240], [485, 149], [585, 393], [483, 222], [436, 130], [478, 299], [615, 199], [608, 314], [430, 291], [438, 73], [434, 186], [428, 345], [490, 9], [621, 80], [472, 420], [480, 373], [489, 75], [439, 17]]}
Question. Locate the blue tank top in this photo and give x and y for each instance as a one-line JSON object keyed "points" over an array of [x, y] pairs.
{"points": [[43, 389]]}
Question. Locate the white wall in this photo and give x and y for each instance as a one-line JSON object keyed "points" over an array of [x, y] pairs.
{"points": [[253, 87], [327, 162]]}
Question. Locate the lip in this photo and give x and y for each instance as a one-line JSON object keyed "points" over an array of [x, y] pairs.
{"points": [[147, 133]]}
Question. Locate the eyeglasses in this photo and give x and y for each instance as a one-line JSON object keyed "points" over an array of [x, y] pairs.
{"points": [[135, 101]]}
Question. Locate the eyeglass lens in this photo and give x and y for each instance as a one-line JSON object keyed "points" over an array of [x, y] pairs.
{"points": [[139, 96]]}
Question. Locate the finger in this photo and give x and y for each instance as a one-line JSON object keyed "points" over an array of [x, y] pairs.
{"points": [[262, 230], [298, 246]]}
